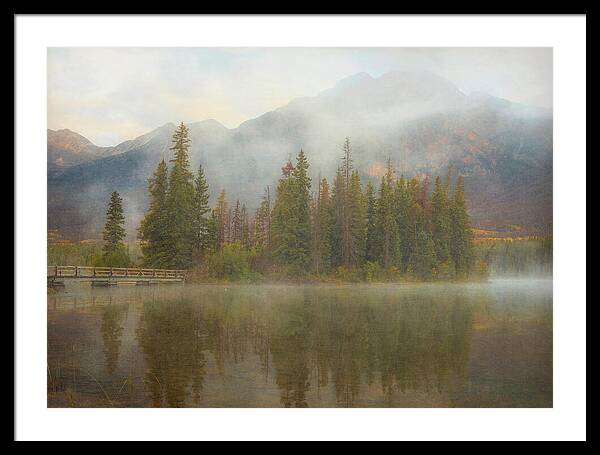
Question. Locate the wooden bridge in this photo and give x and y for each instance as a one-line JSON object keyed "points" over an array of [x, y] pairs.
{"points": [[105, 276]]}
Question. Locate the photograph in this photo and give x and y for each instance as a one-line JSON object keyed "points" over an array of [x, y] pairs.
{"points": [[381, 240], [380, 219]]}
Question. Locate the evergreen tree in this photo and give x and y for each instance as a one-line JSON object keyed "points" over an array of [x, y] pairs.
{"points": [[180, 203], [403, 203], [291, 216], [372, 244], [200, 219], [337, 219], [461, 242], [415, 221], [441, 229], [229, 235], [114, 252], [358, 217], [322, 229], [262, 222], [211, 233], [346, 212], [440, 221], [221, 219], [154, 227], [236, 224], [245, 229], [386, 220], [423, 260]]}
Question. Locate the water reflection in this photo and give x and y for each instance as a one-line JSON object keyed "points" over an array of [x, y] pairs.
{"points": [[302, 346], [113, 317]]}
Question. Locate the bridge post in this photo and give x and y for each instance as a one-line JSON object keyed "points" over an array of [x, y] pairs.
{"points": [[111, 272]]}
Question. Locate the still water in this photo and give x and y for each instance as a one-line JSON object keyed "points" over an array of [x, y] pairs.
{"points": [[410, 345]]}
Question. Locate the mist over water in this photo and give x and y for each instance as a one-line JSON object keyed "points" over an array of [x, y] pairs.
{"points": [[408, 345]]}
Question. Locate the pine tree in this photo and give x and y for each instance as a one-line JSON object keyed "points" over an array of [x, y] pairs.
{"points": [[322, 229], [114, 252], [440, 226], [245, 229], [262, 222], [372, 243], [358, 217], [338, 199], [211, 233], [461, 242], [220, 216], [236, 224], [347, 246], [283, 216], [229, 235], [403, 202], [387, 226], [291, 217], [180, 203], [154, 227], [423, 260], [200, 219], [414, 223]]}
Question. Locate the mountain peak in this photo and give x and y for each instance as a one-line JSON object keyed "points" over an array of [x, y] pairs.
{"points": [[348, 82]]}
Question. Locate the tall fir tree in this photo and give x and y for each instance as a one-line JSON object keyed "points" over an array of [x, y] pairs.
{"points": [[221, 219], [262, 222], [154, 227], [201, 218], [338, 199], [245, 228], [358, 216], [461, 242], [236, 223], [403, 202], [180, 203], [440, 227], [291, 217], [386, 220], [347, 246], [372, 242], [114, 251], [321, 245]]}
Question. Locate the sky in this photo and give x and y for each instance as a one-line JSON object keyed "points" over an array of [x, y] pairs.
{"points": [[110, 95]]}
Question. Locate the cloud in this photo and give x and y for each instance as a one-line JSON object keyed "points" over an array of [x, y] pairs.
{"points": [[113, 94]]}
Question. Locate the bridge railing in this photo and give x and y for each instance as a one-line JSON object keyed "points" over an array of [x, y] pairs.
{"points": [[71, 271]]}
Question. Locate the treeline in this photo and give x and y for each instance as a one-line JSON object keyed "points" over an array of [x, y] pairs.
{"points": [[342, 230]]}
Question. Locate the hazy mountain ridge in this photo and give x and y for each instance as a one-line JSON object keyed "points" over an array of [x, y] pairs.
{"points": [[68, 148], [419, 120]]}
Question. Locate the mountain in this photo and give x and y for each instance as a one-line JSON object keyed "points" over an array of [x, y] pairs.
{"points": [[67, 148], [422, 122]]}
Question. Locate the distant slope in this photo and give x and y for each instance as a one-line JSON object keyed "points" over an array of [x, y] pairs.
{"points": [[67, 148], [419, 120]]}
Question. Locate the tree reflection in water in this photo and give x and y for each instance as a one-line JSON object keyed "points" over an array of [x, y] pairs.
{"points": [[308, 340], [296, 346], [113, 317]]}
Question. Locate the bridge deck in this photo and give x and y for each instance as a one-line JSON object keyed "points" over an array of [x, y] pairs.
{"points": [[122, 274]]}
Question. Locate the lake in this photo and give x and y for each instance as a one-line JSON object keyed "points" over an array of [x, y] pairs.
{"points": [[406, 345]]}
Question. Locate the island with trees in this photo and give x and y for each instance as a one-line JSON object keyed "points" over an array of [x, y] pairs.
{"points": [[404, 229]]}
